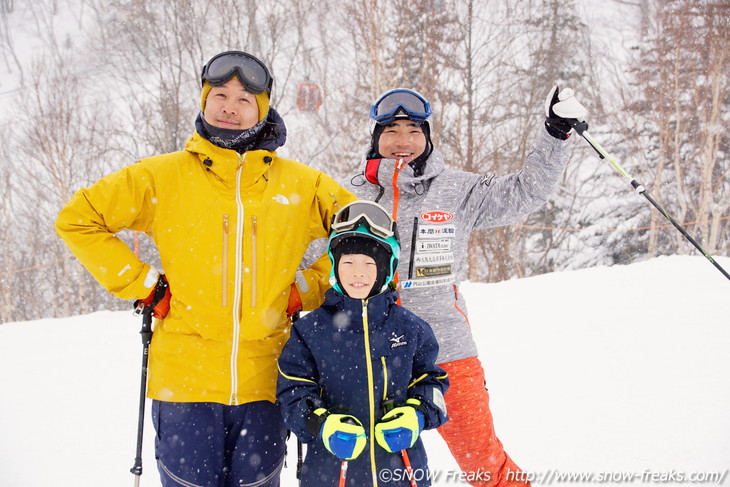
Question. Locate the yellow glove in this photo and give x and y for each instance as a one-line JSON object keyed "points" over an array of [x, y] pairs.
{"points": [[399, 428], [342, 434]]}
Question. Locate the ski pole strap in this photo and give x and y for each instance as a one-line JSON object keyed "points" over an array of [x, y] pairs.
{"points": [[160, 290], [141, 305], [579, 126]]}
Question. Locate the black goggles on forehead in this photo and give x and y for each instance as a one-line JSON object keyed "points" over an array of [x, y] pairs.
{"points": [[367, 213], [409, 102], [253, 73]]}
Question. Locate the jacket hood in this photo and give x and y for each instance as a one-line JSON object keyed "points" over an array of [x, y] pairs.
{"points": [[274, 133], [408, 182], [224, 162]]}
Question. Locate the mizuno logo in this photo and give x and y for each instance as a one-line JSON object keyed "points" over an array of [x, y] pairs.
{"points": [[396, 341]]}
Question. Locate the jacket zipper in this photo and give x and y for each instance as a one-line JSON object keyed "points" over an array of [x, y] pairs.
{"points": [[237, 287], [385, 378], [396, 192], [224, 260], [396, 197], [456, 305], [414, 238], [371, 390], [253, 261]]}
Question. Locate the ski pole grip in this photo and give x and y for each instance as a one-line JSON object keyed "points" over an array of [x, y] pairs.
{"points": [[579, 126], [146, 331]]}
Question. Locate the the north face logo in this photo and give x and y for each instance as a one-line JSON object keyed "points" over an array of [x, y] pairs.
{"points": [[280, 198]]}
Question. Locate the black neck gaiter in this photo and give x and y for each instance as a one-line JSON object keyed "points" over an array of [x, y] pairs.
{"points": [[238, 140]]}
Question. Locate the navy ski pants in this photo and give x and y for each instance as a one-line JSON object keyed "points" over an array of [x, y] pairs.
{"points": [[214, 445]]}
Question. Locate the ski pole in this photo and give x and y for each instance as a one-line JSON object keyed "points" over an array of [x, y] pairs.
{"points": [[343, 473], [146, 333], [409, 468], [582, 129], [388, 405], [300, 457], [343, 465]]}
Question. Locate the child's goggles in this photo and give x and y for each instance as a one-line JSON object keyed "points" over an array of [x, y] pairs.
{"points": [[367, 213], [409, 102], [253, 74]]}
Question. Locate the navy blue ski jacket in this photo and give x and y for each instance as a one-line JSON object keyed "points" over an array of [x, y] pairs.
{"points": [[351, 356]]}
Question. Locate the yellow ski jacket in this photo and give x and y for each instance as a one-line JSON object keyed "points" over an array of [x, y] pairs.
{"points": [[231, 231]]}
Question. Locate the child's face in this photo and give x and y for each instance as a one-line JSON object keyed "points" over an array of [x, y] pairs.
{"points": [[357, 273]]}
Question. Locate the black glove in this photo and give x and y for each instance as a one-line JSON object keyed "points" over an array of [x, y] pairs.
{"points": [[561, 108]]}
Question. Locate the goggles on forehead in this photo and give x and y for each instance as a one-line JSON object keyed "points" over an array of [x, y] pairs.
{"points": [[253, 73], [367, 213], [409, 102]]}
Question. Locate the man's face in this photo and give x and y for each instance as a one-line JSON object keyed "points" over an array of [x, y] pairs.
{"points": [[403, 140], [230, 106]]}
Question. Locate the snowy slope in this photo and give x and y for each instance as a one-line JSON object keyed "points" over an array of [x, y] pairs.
{"points": [[605, 371]]}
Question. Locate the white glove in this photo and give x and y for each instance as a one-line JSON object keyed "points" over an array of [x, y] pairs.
{"points": [[561, 108]]}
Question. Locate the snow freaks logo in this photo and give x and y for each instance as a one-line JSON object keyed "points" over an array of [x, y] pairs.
{"points": [[437, 216], [419, 475]]}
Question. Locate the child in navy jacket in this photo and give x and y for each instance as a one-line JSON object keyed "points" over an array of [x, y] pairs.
{"points": [[358, 380]]}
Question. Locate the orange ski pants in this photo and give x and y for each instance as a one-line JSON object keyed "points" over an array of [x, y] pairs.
{"points": [[469, 432]]}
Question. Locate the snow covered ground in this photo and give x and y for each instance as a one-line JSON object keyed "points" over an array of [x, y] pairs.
{"points": [[610, 372]]}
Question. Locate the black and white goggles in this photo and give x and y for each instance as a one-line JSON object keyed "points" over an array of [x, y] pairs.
{"points": [[253, 73], [363, 212], [400, 100]]}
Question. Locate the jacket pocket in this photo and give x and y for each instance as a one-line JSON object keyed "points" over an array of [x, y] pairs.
{"points": [[384, 364]]}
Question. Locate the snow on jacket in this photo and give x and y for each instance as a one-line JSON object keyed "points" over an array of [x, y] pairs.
{"points": [[350, 356], [441, 208], [207, 209]]}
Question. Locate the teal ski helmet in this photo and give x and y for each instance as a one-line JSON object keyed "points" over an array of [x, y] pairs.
{"points": [[364, 227]]}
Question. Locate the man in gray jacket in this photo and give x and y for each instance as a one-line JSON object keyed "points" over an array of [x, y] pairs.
{"points": [[437, 208]]}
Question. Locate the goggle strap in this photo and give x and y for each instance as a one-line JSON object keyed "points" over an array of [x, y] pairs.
{"points": [[353, 224]]}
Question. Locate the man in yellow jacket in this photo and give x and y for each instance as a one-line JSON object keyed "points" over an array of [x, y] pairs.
{"points": [[231, 221]]}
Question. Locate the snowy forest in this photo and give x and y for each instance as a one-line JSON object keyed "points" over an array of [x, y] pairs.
{"points": [[89, 86]]}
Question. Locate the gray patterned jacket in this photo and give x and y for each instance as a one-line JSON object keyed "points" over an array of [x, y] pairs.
{"points": [[436, 214]]}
